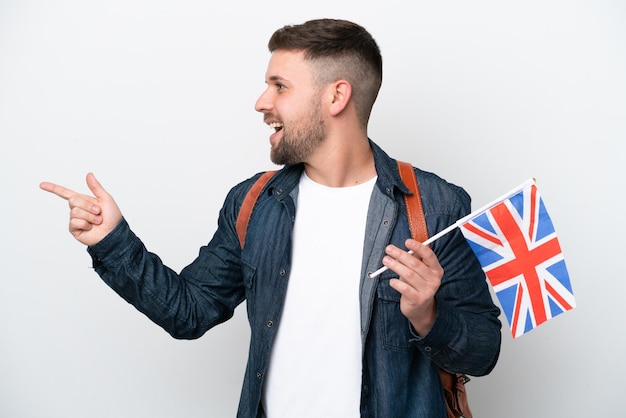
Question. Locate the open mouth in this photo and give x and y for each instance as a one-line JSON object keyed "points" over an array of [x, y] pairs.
{"points": [[276, 126]]}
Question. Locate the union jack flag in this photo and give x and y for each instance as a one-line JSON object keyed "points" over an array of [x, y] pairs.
{"points": [[516, 244]]}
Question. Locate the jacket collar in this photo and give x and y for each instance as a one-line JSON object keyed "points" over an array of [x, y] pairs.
{"points": [[386, 168]]}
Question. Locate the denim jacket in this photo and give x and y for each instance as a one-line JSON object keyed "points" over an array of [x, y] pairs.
{"points": [[400, 369]]}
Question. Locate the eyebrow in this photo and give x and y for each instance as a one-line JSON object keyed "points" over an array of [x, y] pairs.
{"points": [[277, 78]]}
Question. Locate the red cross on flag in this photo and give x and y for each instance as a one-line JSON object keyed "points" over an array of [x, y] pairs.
{"points": [[517, 246]]}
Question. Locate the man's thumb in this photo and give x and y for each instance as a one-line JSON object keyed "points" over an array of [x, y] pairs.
{"points": [[95, 186]]}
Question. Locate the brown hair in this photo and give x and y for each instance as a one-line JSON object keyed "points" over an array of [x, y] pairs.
{"points": [[338, 49]]}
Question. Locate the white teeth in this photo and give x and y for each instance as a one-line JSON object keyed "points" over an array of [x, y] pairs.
{"points": [[275, 125]]}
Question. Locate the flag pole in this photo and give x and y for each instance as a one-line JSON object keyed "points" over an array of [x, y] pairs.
{"points": [[464, 219]]}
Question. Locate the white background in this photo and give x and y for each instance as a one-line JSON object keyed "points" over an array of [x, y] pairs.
{"points": [[156, 98]]}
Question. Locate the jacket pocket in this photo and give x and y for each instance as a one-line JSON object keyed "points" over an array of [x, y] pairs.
{"points": [[394, 326]]}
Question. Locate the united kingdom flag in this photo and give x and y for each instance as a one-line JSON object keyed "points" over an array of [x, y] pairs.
{"points": [[516, 244]]}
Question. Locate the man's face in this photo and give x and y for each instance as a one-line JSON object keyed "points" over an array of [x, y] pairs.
{"points": [[291, 105]]}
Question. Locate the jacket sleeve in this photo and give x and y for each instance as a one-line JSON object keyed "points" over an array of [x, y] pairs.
{"points": [[186, 305], [466, 335]]}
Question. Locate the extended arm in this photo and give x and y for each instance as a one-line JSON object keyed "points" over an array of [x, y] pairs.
{"points": [[187, 304]]}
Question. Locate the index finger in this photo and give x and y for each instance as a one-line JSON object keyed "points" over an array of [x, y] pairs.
{"points": [[422, 251], [60, 191]]}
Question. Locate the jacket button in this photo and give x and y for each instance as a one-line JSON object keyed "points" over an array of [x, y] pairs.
{"points": [[270, 324], [282, 272], [386, 222], [258, 375]]}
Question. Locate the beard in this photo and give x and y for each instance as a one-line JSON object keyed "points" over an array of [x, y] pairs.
{"points": [[301, 138]]}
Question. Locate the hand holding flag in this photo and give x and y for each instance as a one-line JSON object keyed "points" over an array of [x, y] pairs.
{"points": [[516, 244]]}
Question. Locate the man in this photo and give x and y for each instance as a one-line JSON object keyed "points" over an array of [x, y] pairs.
{"points": [[327, 340]]}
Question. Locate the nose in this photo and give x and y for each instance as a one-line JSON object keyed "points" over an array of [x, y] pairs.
{"points": [[263, 103]]}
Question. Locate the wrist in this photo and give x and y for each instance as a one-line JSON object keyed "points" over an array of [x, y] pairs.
{"points": [[423, 322]]}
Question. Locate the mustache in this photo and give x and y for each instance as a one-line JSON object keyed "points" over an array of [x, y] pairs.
{"points": [[270, 117]]}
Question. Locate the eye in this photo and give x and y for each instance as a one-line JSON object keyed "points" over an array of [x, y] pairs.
{"points": [[280, 86]]}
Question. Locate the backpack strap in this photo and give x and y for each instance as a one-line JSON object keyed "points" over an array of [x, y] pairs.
{"points": [[453, 383], [243, 218], [414, 208]]}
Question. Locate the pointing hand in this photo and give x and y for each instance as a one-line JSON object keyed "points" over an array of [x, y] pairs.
{"points": [[91, 217]]}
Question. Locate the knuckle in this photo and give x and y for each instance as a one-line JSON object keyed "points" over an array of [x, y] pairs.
{"points": [[74, 201], [74, 212]]}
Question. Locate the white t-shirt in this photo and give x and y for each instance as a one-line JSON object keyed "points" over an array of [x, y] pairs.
{"points": [[315, 365]]}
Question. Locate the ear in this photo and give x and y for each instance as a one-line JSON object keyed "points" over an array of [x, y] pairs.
{"points": [[340, 94]]}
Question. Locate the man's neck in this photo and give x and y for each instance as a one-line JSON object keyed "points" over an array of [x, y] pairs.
{"points": [[342, 163]]}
